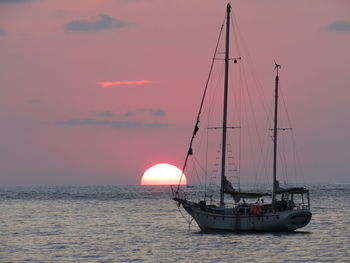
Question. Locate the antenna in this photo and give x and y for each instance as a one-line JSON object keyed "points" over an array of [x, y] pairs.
{"points": [[277, 66]]}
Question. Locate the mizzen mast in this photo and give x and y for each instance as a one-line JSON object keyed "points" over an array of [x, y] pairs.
{"points": [[275, 128], [224, 122]]}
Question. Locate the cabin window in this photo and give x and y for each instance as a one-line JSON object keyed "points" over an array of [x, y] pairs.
{"points": [[214, 217], [267, 217], [207, 216], [223, 218]]}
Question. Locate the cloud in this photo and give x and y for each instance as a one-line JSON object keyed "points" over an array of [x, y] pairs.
{"points": [[3, 32], [340, 26], [14, 1], [103, 21], [107, 84], [157, 112], [113, 124], [154, 112], [105, 114]]}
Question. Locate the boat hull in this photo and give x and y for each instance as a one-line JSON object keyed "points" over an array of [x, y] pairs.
{"points": [[227, 220]]}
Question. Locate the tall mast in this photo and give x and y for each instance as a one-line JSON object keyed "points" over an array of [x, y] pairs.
{"points": [[224, 122], [275, 128]]}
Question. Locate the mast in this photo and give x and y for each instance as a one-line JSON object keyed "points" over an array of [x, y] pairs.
{"points": [[224, 122], [275, 137]]}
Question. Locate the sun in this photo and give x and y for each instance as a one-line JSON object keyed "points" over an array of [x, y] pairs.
{"points": [[163, 174]]}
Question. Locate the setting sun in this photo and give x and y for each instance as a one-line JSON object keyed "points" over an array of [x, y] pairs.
{"points": [[163, 174]]}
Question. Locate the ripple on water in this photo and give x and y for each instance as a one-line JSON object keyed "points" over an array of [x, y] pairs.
{"points": [[140, 227]]}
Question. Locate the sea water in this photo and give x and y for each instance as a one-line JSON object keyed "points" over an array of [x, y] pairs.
{"points": [[143, 224]]}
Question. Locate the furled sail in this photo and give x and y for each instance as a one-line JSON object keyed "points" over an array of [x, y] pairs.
{"points": [[295, 190], [228, 189]]}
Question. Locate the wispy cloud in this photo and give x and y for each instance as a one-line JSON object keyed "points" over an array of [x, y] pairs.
{"points": [[340, 26], [3, 32], [156, 112], [102, 22], [129, 119], [105, 114], [14, 1], [107, 84], [113, 124]]}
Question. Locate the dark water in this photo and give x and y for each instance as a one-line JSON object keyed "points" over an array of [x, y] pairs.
{"points": [[142, 224]]}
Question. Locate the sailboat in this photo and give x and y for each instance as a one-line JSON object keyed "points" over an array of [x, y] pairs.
{"points": [[289, 208]]}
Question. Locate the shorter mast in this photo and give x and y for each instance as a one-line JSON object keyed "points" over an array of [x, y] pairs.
{"points": [[274, 190], [224, 122]]}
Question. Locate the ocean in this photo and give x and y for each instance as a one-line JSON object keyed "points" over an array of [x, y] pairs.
{"points": [[142, 224]]}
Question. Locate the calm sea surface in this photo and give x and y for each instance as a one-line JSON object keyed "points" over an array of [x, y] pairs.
{"points": [[143, 224]]}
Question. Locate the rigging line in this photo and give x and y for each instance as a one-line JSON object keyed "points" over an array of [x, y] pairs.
{"points": [[213, 91], [252, 67], [283, 152], [235, 36], [200, 167], [239, 117], [261, 140], [211, 105], [259, 89], [267, 158], [195, 171], [206, 162], [213, 97], [189, 221], [264, 158], [296, 156], [239, 137], [202, 134], [240, 114], [214, 172], [234, 101], [282, 155], [240, 134], [255, 130], [252, 109], [249, 136], [234, 97], [200, 109], [268, 164]]}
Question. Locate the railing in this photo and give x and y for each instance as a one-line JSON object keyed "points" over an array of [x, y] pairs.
{"points": [[302, 206]]}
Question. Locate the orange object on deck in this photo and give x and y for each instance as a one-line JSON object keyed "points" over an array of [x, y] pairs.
{"points": [[256, 210]]}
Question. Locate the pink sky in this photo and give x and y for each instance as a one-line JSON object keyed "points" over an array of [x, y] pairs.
{"points": [[58, 126]]}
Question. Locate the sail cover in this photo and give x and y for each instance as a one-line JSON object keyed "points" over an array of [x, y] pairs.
{"points": [[228, 189], [294, 190]]}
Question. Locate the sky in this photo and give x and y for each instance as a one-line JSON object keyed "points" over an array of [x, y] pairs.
{"points": [[97, 91]]}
